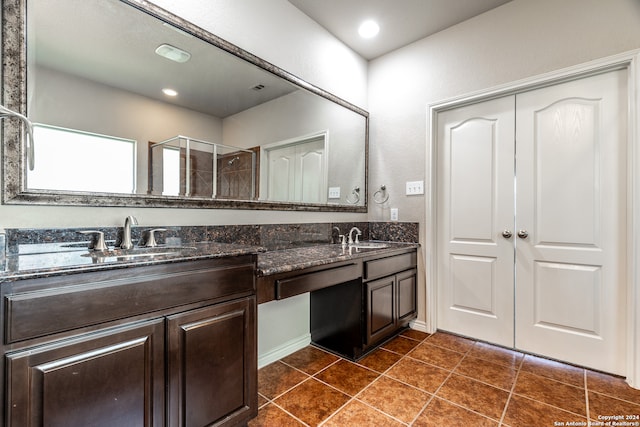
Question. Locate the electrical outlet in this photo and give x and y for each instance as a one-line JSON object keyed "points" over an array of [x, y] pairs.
{"points": [[415, 187], [394, 214], [334, 192]]}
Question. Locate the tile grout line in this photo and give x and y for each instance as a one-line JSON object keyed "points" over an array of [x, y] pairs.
{"points": [[432, 395], [466, 354], [451, 372], [354, 397], [292, 387], [511, 393], [384, 374], [380, 374], [402, 356], [334, 413], [586, 396], [289, 413]]}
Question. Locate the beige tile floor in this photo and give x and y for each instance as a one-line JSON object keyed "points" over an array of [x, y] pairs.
{"points": [[418, 379]]}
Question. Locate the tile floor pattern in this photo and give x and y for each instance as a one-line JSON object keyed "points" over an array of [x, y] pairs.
{"points": [[418, 379]]}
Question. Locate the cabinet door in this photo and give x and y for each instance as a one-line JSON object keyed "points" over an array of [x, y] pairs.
{"points": [[380, 309], [104, 379], [212, 356], [406, 295]]}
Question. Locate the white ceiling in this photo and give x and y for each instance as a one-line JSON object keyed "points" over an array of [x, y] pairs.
{"points": [[87, 39], [112, 43], [401, 21]]}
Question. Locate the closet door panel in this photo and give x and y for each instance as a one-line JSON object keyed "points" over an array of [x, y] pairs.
{"points": [[567, 174], [571, 186], [475, 205]]}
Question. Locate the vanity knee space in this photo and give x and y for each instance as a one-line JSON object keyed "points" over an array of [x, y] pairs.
{"points": [[355, 304]]}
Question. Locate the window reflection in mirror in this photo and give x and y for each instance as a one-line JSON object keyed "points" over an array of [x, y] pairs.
{"points": [[73, 160]]}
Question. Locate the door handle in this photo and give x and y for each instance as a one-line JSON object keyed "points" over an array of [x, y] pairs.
{"points": [[523, 234], [507, 234]]}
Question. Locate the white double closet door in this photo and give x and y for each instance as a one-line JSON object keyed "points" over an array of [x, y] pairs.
{"points": [[531, 218]]}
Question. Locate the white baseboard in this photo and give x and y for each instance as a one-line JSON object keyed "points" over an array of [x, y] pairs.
{"points": [[284, 350], [419, 325], [302, 341]]}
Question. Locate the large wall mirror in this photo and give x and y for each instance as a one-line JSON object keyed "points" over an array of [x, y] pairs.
{"points": [[133, 106]]}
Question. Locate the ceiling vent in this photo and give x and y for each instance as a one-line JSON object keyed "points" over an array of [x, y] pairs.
{"points": [[173, 53]]}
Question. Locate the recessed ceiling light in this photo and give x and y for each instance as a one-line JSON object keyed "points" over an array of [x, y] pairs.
{"points": [[169, 92], [368, 29], [173, 53]]}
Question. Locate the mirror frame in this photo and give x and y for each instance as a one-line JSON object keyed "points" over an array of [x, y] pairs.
{"points": [[14, 96]]}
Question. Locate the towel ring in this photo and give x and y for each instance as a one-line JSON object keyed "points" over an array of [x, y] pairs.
{"points": [[381, 195], [356, 196]]}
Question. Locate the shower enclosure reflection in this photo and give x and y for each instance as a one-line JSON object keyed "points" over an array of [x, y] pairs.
{"points": [[184, 166]]}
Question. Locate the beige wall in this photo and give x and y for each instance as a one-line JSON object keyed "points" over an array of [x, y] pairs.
{"points": [[520, 39]]}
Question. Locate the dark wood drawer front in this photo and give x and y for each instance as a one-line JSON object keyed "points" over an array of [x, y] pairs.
{"points": [[390, 265], [313, 281], [46, 311]]}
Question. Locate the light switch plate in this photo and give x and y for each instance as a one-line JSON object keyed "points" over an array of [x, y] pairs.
{"points": [[415, 188], [334, 192], [394, 214]]}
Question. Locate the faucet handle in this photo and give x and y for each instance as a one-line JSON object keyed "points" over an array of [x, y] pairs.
{"points": [[148, 238], [97, 240], [358, 233], [343, 239]]}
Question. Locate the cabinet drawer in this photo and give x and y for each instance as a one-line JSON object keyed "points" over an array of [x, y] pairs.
{"points": [[317, 280], [91, 300], [390, 265]]}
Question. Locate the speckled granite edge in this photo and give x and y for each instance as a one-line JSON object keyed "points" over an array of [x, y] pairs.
{"points": [[270, 236], [42, 265], [284, 261]]}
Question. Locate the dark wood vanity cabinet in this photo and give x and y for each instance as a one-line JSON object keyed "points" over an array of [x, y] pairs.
{"points": [[111, 378], [211, 365], [185, 354], [353, 317], [390, 293], [391, 304]]}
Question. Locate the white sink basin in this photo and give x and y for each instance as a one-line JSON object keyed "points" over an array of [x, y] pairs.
{"points": [[370, 245], [139, 252]]}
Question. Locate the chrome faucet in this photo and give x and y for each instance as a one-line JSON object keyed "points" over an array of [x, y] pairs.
{"points": [[4, 113], [358, 234], [341, 237], [126, 235]]}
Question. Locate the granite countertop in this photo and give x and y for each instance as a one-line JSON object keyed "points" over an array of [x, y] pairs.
{"points": [[44, 260], [286, 260], [50, 259]]}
